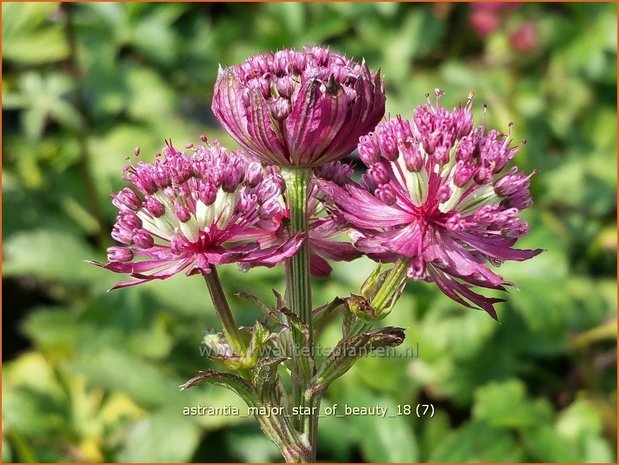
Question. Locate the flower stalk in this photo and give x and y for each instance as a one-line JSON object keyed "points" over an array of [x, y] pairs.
{"points": [[299, 296], [228, 323]]}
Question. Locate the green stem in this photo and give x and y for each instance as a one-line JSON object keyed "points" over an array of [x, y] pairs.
{"points": [[230, 328], [298, 295], [298, 282]]}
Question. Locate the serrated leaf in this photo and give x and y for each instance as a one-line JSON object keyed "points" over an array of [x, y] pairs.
{"points": [[505, 405]]}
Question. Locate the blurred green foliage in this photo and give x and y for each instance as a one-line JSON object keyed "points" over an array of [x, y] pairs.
{"points": [[96, 377]]}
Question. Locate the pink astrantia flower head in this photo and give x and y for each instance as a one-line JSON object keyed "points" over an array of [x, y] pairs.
{"points": [[437, 193], [190, 211], [299, 108]]}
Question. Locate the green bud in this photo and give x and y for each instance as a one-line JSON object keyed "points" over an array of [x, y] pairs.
{"points": [[361, 308]]}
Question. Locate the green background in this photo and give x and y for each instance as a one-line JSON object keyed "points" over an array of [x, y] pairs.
{"points": [[93, 376]]}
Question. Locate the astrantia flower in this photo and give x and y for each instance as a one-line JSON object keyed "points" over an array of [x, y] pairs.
{"points": [[436, 193], [293, 108], [190, 211]]}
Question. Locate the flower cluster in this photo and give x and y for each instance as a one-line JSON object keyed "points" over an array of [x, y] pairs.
{"points": [[436, 193], [190, 211], [299, 108]]}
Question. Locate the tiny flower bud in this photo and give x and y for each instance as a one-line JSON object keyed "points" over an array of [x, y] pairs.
{"points": [[280, 109], [254, 175], [379, 173], [182, 213], [368, 150], [385, 194], [154, 207], [207, 193], [463, 173], [143, 239], [388, 145], [122, 234], [126, 198], [361, 308], [411, 155], [129, 220], [119, 254]]}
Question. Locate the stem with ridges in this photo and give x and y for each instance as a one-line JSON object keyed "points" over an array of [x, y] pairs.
{"points": [[230, 328], [298, 294]]}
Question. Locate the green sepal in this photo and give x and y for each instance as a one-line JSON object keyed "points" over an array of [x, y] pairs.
{"points": [[373, 282], [361, 308]]}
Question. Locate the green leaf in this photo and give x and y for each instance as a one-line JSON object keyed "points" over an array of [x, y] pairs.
{"points": [[117, 370], [248, 446], [545, 445], [165, 436], [477, 442], [49, 254], [504, 405], [149, 95], [581, 424], [434, 432], [389, 439], [54, 330], [28, 37]]}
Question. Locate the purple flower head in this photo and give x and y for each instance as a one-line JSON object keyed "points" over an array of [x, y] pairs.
{"points": [[190, 211], [441, 200], [299, 108]]}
